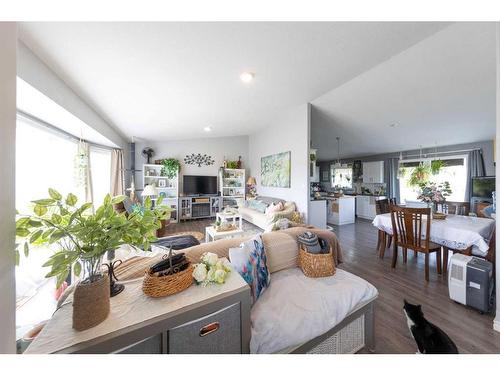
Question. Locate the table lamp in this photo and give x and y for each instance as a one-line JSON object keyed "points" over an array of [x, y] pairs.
{"points": [[251, 182], [150, 191]]}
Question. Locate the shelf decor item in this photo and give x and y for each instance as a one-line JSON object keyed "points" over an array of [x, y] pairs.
{"points": [[171, 167], [83, 237]]}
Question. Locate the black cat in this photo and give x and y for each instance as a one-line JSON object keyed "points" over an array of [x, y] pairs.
{"points": [[430, 339]]}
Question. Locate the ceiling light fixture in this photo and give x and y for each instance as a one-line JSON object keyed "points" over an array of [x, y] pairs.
{"points": [[247, 77], [207, 128]]}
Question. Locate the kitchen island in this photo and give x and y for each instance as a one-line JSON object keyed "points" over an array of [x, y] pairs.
{"points": [[340, 210]]}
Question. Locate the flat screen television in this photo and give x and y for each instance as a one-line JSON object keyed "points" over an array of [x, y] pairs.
{"points": [[200, 185], [482, 187]]}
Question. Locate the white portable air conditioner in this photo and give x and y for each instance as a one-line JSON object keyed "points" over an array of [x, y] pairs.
{"points": [[470, 281]]}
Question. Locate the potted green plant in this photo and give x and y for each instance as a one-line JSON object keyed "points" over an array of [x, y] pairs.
{"points": [[420, 175], [436, 166], [170, 167], [80, 239]]}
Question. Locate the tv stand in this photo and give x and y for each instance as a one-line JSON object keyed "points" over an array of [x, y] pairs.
{"points": [[199, 207]]}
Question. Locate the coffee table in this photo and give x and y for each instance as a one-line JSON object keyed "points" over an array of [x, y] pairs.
{"points": [[224, 217], [212, 235]]}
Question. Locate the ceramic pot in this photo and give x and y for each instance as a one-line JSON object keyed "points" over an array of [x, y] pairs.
{"points": [[91, 303]]}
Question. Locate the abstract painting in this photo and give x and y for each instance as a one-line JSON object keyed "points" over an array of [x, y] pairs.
{"points": [[275, 170]]}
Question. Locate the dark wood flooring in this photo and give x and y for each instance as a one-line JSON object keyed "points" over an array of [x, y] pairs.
{"points": [[471, 331]]}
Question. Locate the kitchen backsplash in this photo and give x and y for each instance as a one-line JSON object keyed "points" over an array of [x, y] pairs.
{"points": [[359, 187]]}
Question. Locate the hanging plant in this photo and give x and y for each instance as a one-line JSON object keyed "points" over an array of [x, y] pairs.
{"points": [[420, 175], [312, 157], [170, 167], [436, 166]]}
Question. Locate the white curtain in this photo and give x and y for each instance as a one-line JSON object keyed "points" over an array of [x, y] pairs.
{"points": [[117, 173]]}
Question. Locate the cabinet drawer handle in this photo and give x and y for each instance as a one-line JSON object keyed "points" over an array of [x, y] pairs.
{"points": [[209, 328]]}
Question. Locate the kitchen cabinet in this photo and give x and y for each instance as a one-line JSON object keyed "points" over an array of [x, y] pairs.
{"points": [[366, 206], [373, 172], [340, 211]]}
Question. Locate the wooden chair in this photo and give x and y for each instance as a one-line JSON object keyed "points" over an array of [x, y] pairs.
{"points": [[408, 234], [382, 207], [456, 208]]}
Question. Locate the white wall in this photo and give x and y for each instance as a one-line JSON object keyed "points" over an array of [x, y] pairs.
{"points": [[217, 148], [289, 132], [8, 40]]}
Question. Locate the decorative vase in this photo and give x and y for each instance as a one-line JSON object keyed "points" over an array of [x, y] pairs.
{"points": [[91, 298]]}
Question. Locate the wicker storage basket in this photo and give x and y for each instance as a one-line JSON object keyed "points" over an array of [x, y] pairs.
{"points": [[316, 265], [161, 286]]}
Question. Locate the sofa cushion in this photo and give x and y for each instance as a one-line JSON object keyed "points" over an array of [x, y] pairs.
{"points": [[281, 250], [269, 200], [257, 205], [272, 208]]}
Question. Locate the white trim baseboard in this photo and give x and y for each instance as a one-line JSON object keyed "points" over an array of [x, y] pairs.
{"points": [[496, 324]]}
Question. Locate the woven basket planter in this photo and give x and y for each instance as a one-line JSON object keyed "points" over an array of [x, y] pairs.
{"points": [[91, 303], [161, 286], [316, 265]]}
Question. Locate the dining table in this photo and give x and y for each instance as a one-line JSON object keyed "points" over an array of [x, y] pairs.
{"points": [[463, 233]]}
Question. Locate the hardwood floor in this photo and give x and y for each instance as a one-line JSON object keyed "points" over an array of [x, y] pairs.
{"points": [[471, 331]]}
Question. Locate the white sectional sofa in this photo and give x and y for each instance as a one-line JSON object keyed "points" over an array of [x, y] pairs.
{"points": [[261, 219]]}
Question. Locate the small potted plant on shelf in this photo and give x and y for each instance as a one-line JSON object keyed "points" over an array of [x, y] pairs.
{"points": [[80, 237], [170, 167]]}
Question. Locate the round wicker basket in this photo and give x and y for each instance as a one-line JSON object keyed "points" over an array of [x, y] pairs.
{"points": [[161, 286], [316, 265]]}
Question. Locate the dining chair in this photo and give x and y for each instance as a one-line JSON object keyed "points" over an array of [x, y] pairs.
{"points": [[409, 233], [382, 207], [455, 208]]}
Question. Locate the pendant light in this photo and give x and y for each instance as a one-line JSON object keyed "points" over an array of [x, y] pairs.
{"points": [[338, 164]]}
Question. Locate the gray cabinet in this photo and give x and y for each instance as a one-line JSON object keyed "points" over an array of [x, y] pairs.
{"points": [[215, 333]]}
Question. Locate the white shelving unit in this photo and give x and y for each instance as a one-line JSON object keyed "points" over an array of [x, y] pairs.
{"points": [[167, 187], [232, 185]]}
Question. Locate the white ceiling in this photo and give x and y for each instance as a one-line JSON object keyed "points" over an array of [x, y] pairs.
{"points": [[439, 92], [162, 81]]}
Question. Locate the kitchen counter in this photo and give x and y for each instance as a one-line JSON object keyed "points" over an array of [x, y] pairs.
{"points": [[340, 210]]}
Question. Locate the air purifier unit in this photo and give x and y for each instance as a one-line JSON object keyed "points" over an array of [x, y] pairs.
{"points": [[470, 281]]}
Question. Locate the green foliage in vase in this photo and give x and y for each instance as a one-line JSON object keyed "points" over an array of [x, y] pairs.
{"points": [[170, 167], [80, 236], [232, 164]]}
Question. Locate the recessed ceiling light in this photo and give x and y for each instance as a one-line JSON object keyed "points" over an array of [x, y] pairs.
{"points": [[207, 128], [247, 77]]}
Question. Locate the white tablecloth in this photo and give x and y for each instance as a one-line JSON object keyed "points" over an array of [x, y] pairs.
{"points": [[456, 232]]}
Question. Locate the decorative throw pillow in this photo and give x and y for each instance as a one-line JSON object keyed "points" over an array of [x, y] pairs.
{"points": [[487, 211], [274, 207], [250, 261], [258, 205]]}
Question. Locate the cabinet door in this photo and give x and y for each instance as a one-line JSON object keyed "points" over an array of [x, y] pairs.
{"points": [[367, 172], [217, 333]]}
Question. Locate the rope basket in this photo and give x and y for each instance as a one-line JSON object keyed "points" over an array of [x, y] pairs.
{"points": [[316, 265], [161, 286]]}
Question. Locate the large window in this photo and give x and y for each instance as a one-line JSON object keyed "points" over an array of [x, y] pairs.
{"points": [[46, 158], [454, 171]]}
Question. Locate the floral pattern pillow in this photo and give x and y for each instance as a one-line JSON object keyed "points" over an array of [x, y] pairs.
{"points": [[250, 261]]}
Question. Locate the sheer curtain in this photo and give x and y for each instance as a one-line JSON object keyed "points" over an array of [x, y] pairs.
{"points": [[117, 172]]}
